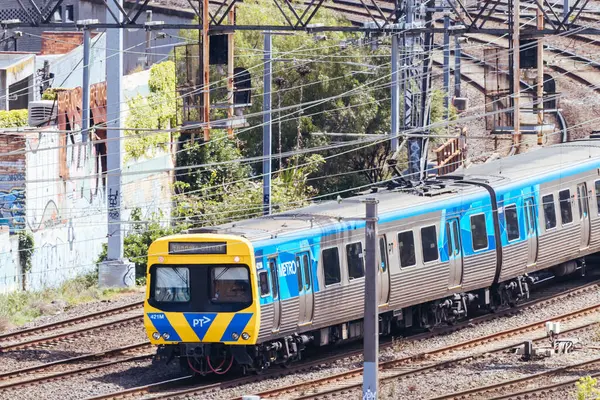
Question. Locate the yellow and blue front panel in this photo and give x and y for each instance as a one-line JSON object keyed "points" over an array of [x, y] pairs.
{"points": [[173, 323]]}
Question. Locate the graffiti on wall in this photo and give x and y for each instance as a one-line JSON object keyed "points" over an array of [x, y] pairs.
{"points": [[12, 201]]}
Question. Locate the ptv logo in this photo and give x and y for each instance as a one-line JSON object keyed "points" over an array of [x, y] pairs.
{"points": [[200, 321]]}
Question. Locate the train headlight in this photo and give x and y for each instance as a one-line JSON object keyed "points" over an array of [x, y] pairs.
{"points": [[156, 336], [245, 336], [166, 336], [235, 336]]}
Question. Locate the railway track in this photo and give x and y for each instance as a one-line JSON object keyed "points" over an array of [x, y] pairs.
{"points": [[30, 337], [173, 388], [341, 384]]}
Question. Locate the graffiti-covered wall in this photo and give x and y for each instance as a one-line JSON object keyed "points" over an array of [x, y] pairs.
{"points": [[12, 178], [67, 213]]}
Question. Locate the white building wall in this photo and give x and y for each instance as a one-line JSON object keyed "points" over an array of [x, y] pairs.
{"points": [[9, 262]]}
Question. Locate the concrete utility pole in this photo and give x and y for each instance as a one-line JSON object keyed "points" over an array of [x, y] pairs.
{"points": [[395, 95], [85, 98], [540, 77], [267, 77], [371, 330], [116, 271]]}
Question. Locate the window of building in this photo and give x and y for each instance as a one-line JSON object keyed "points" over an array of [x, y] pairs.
{"points": [[429, 243], [274, 282], [566, 212], [57, 16], [479, 232], [70, 13], [331, 266], [356, 263], [549, 211], [263, 279], [512, 222], [406, 245]]}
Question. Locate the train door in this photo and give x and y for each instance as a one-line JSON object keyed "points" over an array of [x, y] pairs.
{"points": [[584, 215], [275, 292], [383, 271], [305, 290], [455, 259], [531, 231]]}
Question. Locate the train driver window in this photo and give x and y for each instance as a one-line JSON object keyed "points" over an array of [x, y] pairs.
{"points": [[549, 211], [356, 263], [406, 245], [263, 279], [230, 285], [429, 243], [597, 187], [331, 266], [566, 212], [512, 222], [172, 285], [479, 232]]}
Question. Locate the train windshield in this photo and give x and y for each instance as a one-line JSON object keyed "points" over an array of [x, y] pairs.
{"points": [[200, 287], [172, 284]]}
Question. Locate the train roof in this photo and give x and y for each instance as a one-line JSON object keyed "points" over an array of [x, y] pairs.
{"points": [[501, 172]]}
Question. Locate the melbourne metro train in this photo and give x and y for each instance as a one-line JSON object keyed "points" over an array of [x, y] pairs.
{"points": [[260, 292]]}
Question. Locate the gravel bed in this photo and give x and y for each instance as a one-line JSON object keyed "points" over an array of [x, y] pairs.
{"points": [[107, 380], [98, 341], [407, 348], [64, 312]]}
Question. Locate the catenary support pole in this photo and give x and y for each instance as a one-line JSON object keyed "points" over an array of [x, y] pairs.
{"points": [[516, 74], [267, 125], [446, 66], [230, 72], [85, 97], [148, 51], [456, 66], [371, 330], [395, 95], [116, 271], [565, 9], [205, 70], [540, 78]]}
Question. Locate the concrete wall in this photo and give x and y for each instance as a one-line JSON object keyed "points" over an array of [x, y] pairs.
{"points": [[68, 218], [10, 270]]}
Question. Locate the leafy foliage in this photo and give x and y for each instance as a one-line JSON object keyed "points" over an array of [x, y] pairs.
{"points": [[26, 248], [136, 243], [587, 389], [13, 118], [156, 111]]}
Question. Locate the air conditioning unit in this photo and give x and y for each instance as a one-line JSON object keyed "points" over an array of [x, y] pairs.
{"points": [[42, 112]]}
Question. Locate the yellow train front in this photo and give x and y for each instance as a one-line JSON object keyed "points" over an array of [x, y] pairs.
{"points": [[202, 304]]}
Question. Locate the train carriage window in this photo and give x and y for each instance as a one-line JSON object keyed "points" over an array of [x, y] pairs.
{"points": [[307, 268], [512, 222], [566, 212], [597, 187], [356, 263], [331, 266], [479, 232], [172, 285], [230, 285], [579, 202], [274, 282], [406, 245], [299, 273], [263, 279], [429, 243], [549, 211]]}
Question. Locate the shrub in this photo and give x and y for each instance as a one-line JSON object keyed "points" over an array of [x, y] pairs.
{"points": [[13, 118]]}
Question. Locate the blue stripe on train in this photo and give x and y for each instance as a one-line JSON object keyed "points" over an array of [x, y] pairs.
{"points": [[162, 325], [237, 325]]}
